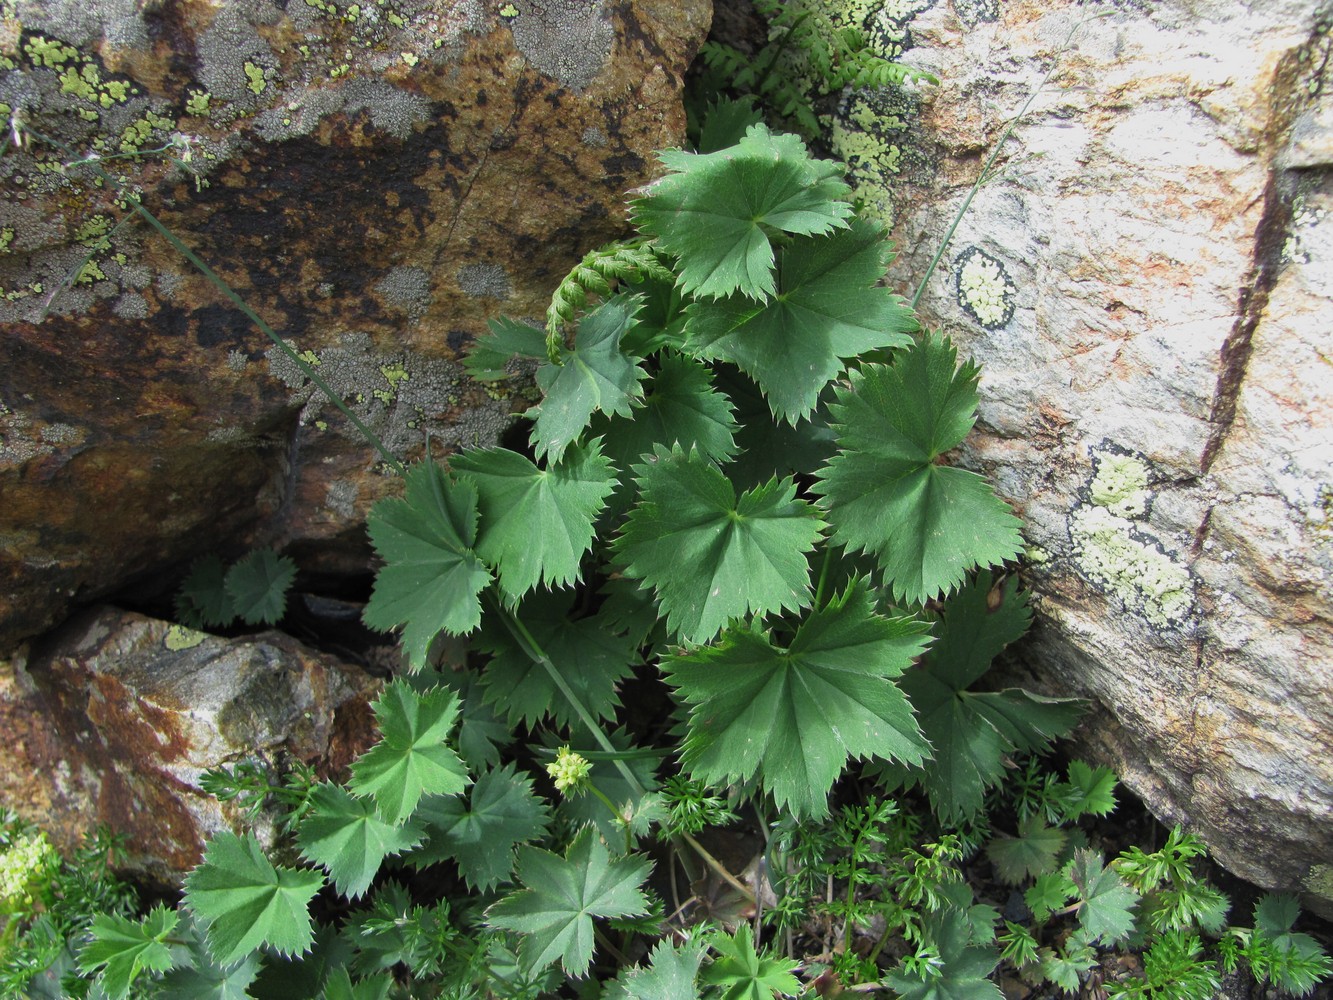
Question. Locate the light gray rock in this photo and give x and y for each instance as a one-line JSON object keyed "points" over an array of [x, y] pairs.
{"points": [[1147, 283], [116, 717]]}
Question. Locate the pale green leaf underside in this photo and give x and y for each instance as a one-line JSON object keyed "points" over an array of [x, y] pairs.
{"points": [[794, 716], [594, 377], [827, 308], [349, 838], [709, 556], [246, 903], [555, 910], [411, 759], [432, 579], [536, 524], [122, 949]]}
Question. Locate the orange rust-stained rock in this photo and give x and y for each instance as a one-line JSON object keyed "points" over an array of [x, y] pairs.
{"points": [[376, 181], [114, 718]]}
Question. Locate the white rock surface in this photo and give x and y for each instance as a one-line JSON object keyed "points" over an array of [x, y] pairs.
{"points": [[1147, 283]]}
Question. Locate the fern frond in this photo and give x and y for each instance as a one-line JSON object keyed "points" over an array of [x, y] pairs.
{"points": [[594, 275]]}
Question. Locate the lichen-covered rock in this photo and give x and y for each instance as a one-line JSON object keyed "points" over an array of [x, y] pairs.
{"points": [[1147, 283], [375, 179], [115, 718]]}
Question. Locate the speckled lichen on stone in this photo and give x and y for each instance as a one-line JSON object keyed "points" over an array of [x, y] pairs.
{"points": [[566, 39], [984, 288], [1111, 550]]}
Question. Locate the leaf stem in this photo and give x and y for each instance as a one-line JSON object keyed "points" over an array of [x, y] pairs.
{"points": [[534, 651], [717, 867], [990, 162]]}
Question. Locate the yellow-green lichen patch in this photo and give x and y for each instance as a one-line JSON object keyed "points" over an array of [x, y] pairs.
{"points": [[197, 105], [255, 75], [984, 288], [1111, 550], [179, 637], [1120, 485]]}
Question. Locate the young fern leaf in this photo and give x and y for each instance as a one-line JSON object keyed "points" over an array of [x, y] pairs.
{"points": [[710, 556], [827, 308], [926, 524], [715, 211], [245, 903], [411, 758], [432, 577], [595, 275], [555, 910], [596, 376], [536, 524], [794, 716]]}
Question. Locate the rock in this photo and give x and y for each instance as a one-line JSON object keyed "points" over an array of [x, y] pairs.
{"points": [[376, 180], [1147, 282], [115, 717]]}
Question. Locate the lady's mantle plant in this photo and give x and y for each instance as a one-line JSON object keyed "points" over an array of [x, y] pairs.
{"points": [[734, 477]]}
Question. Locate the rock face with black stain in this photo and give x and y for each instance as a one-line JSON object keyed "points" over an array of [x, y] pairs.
{"points": [[376, 180], [1147, 284], [116, 716]]}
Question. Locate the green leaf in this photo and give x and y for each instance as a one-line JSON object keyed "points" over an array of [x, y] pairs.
{"points": [[741, 973], [597, 376], [827, 308], [963, 965], [257, 585], [501, 813], [245, 903], [926, 524], [122, 949], [680, 408], [431, 579], [591, 658], [1107, 910], [771, 448], [1051, 892], [199, 977], [411, 758], [482, 734], [973, 731], [537, 523], [1028, 855], [563, 895], [795, 715], [670, 974], [709, 556], [490, 357], [726, 121], [203, 596], [1091, 791], [341, 987], [716, 210], [347, 836]]}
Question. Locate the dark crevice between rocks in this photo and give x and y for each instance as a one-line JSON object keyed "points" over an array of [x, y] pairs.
{"points": [[1288, 99]]}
